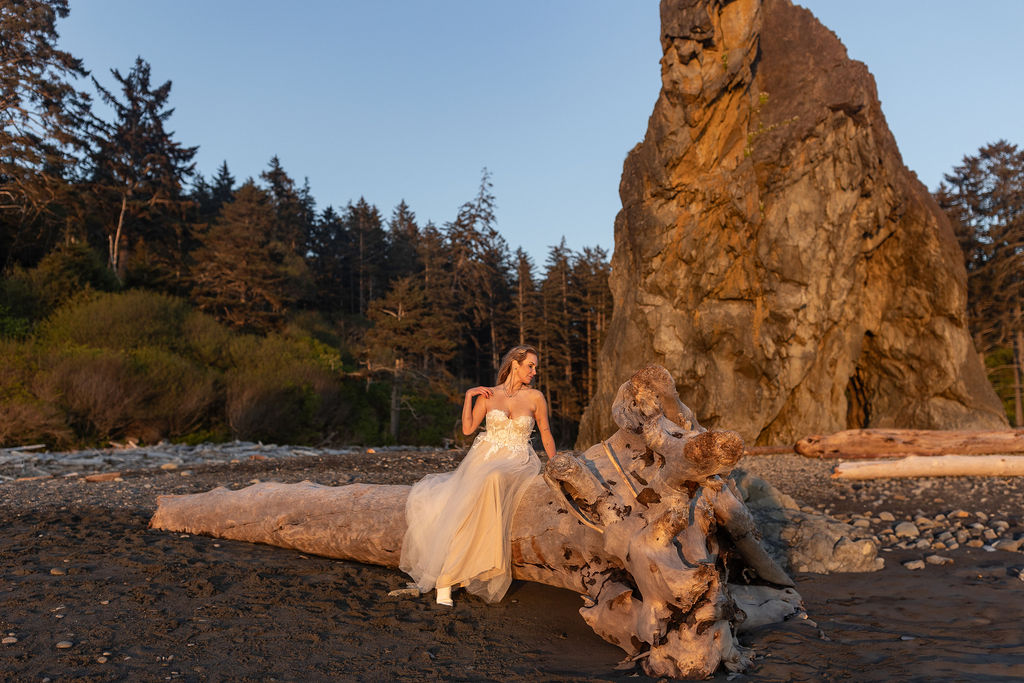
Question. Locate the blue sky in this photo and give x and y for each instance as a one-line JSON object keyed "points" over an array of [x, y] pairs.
{"points": [[395, 100]]}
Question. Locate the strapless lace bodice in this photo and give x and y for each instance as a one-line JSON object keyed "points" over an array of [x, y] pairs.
{"points": [[508, 432]]}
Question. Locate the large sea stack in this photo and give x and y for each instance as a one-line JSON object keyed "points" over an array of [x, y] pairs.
{"points": [[774, 253]]}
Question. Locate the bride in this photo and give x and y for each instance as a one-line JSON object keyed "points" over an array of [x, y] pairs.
{"points": [[459, 523]]}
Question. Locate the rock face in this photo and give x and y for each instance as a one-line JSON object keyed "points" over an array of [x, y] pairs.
{"points": [[774, 253]]}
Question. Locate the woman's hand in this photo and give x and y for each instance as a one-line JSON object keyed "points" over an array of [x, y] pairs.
{"points": [[486, 392], [473, 415]]}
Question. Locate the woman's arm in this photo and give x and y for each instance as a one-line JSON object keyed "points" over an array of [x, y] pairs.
{"points": [[473, 415], [540, 416]]}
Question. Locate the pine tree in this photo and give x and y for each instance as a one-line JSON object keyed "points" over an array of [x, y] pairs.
{"points": [[557, 335], [330, 259], [293, 207], [42, 123], [590, 271], [984, 200], [403, 240], [526, 300], [244, 274], [369, 246], [479, 285], [407, 330], [139, 169]]}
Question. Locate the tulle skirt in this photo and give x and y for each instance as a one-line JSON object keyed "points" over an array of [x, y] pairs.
{"points": [[460, 523]]}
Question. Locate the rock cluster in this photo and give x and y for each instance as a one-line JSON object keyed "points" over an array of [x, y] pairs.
{"points": [[938, 533], [21, 464], [774, 253], [803, 539], [807, 540]]}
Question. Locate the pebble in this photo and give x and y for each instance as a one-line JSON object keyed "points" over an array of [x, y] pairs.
{"points": [[907, 530], [938, 559], [64, 644], [103, 463], [57, 571], [914, 564], [886, 517], [9, 640], [101, 659]]}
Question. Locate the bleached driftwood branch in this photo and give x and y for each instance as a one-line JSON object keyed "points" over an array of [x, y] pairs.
{"points": [[933, 466], [880, 443], [632, 525]]}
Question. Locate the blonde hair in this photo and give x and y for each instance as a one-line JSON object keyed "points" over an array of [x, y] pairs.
{"points": [[517, 354]]}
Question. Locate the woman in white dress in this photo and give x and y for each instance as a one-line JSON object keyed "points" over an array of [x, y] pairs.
{"points": [[459, 523]]}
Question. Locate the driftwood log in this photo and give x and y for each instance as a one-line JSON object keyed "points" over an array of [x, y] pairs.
{"points": [[933, 466], [643, 525], [879, 443]]}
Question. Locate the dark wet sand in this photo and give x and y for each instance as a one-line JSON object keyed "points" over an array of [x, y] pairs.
{"points": [[168, 607]]}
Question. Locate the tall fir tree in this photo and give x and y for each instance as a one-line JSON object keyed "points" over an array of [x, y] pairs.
{"points": [[526, 300], [590, 271], [984, 200], [244, 274], [329, 253], [407, 330], [43, 120], [369, 252], [403, 242], [138, 171]]}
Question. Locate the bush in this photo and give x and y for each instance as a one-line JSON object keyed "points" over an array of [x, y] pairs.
{"points": [[283, 390], [67, 271], [98, 391], [183, 396], [24, 422], [120, 321], [147, 395]]}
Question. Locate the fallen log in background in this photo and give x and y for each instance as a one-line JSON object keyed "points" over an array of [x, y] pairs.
{"points": [[881, 443], [933, 466]]}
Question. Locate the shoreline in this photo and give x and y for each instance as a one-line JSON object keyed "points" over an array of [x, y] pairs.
{"points": [[80, 566]]}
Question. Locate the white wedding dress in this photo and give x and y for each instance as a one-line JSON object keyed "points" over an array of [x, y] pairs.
{"points": [[459, 523]]}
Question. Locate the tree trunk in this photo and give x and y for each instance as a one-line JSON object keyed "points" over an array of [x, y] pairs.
{"points": [[114, 242], [396, 399], [877, 443], [641, 525], [933, 466]]}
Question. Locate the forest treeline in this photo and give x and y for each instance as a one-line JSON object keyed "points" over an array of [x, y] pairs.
{"points": [[141, 300], [984, 199]]}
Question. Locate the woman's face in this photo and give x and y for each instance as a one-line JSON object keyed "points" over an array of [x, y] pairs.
{"points": [[525, 372]]}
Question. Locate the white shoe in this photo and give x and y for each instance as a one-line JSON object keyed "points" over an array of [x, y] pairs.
{"points": [[444, 596]]}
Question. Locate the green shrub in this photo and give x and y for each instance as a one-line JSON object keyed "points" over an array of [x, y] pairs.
{"points": [[97, 390], [27, 421], [123, 321], [68, 271], [25, 418], [207, 341], [183, 396], [147, 395]]}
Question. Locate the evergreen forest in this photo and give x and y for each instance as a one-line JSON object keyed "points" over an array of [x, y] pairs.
{"points": [[142, 301]]}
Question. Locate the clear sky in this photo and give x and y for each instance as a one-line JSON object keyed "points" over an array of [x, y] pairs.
{"points": [[392, 100]]}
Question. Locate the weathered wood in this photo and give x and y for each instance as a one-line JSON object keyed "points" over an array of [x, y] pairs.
{"points": [[633, 524], [880, 443], [933, 466]]}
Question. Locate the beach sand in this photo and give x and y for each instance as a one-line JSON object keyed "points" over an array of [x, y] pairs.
{"points": [[90, 593]]}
